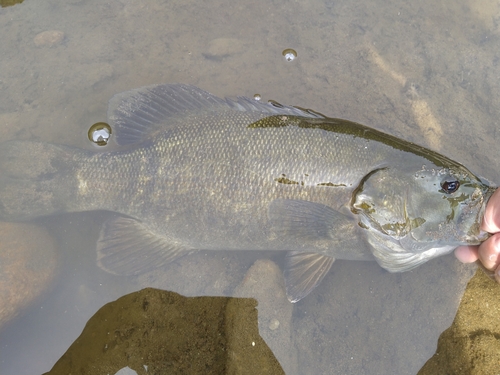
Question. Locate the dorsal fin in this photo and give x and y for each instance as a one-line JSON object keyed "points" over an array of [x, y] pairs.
{"points": [[134, 114]]}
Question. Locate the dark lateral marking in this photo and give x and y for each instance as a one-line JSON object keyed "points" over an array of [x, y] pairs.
{"points": [[284, 180], [331, 184]]}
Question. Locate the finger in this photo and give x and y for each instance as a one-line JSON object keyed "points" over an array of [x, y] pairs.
{"points": [[467, 254], [491, 220], [489, 252]]}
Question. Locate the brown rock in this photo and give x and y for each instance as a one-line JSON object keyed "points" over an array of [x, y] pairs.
{"points": [[27, 266], [159, 332], [472, 344]]}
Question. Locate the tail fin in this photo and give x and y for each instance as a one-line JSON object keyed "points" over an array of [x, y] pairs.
{"points": [[36, 179]]}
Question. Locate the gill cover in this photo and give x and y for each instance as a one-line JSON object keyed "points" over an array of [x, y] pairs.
{"points": [[413, 216]]}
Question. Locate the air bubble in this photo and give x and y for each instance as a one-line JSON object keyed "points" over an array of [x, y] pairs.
{"points": [[289, 54], [99, 133], [274, 324], [257, 97]]}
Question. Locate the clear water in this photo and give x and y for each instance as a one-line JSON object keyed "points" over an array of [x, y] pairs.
{"points": [[427, 72]]}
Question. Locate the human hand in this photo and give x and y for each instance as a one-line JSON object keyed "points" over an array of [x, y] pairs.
{"points": [[488, 252]]}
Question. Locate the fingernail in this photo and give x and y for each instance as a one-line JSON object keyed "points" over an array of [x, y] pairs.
{"points": [[493, 257]]}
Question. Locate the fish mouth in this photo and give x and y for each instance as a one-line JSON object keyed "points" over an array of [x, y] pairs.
{"points": [[471, 217], [468, 225]]}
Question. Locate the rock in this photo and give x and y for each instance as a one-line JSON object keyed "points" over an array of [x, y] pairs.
{"points": [[159, 332], [27, 266], [264, 282], [472, 344], [214, 273], [220, 48], [49, 38]]}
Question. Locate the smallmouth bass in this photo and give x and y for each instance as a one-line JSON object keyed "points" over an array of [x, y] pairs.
{"points": [[196, 172]]}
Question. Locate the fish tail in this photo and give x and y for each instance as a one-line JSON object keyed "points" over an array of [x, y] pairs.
{"points": [[35, 179]]}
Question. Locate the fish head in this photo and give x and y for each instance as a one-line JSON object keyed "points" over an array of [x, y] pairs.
{"points": [[423, 208]]}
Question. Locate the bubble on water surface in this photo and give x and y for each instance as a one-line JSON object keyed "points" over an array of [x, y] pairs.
{"points": [[99, 133], [289, 54]]}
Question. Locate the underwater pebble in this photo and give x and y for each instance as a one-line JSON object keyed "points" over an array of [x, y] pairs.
{"points": [[49, 38]]}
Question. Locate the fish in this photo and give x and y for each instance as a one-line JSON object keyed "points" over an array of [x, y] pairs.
{"points": [[191, 171]]}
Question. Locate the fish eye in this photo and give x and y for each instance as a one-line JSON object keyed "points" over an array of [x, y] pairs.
{"points": [[450, 186]]}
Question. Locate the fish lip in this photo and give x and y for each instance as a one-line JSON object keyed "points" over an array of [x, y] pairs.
{"points": [[475, 235], [486, 198]]}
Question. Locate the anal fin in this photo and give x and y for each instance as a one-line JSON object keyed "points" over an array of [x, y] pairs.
{"points": [[127, 247]]}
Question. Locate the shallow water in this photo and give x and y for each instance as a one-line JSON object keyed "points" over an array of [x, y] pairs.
{"points": [[422, 71]]}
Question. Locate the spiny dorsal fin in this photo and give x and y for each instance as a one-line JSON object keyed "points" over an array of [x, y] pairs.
{"points": [[134, 114]]}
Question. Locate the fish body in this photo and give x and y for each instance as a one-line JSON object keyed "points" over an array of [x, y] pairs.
{"points": [[193, 171]]}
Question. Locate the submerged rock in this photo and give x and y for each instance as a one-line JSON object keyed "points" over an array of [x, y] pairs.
{"points": [[27, 266], [472, 343], [160, 332], [264, 282], [49, 38]]}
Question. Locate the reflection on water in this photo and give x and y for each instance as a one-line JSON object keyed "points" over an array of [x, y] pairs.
{"points": [[423, 71]]}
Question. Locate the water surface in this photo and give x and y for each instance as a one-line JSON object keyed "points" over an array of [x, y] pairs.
{"points": [[419, 70]]}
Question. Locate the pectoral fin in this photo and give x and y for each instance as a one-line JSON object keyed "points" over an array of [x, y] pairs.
{"points": [[311, 223], [128, 247], [309, 220], [304, 272]]}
